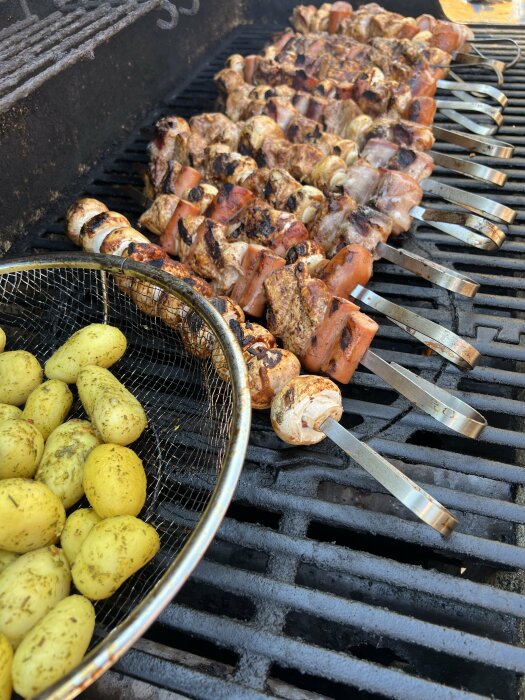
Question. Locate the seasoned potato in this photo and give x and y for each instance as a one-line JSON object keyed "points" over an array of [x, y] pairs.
{"points": [[20, 373], [7, 412], [48, 405], [6, 663], [29, 588], [31, 516], [112, 552], [62, 465], [96, 344], [114, 481], [78, 526], [6, 558], [2, 340], [113, 410], [21, 448], [54, 646]]}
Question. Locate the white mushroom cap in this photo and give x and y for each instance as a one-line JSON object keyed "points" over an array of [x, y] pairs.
{"points": [[78, 213], [301, 406], [268, 371], [97, 228]]}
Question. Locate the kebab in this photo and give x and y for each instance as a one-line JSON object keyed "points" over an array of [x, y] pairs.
{"points": [[233, 216], [99, 232], [176, 143], [398, 134], [303, 409]]}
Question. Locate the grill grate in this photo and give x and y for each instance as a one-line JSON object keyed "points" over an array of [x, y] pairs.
{"points": [[320, 583]]}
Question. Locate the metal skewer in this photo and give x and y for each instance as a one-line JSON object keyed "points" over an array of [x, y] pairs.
{"points": [[432, 400], [392, 479], [473, 202], [461, 89], [477, 144], [498, 40], [468, 59], [458, 225], [475, 106], [477, 171]]}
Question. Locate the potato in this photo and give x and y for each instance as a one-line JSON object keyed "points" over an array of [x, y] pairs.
{"points": [[6, 558], [78, 526], [114, 481], [113, 410], [21, 448], [96, 344], [54, 646], [112, 552], [62, 465], [7, 412], [3, 340], [20, 373], [31, 516], [48, 405], [6, 663], [29, 588]]}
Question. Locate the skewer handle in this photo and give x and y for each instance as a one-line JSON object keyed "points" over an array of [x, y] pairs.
{"points": [[441, 340], [436, 402], [478, 144], [429, 270], [493, 112], [458, 225], [470, 168], [473, 202], [392, 479], [498, 40], [468, 123], [468, 59], [460, 89]]}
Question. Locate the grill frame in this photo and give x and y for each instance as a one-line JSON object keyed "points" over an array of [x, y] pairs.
{"points": [[283, 489]]}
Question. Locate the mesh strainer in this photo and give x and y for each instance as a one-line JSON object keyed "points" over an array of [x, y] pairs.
{"points": [[198, 424]]}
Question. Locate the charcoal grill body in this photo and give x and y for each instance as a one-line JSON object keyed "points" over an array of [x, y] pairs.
{"points": [[319, 584]]}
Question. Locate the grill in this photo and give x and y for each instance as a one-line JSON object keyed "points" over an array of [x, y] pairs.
{"points": [[319, 584]]}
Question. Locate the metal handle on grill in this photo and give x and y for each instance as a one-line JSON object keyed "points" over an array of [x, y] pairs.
{"points": [[469, 168], [458, 225], [392, 479], [468, 59], [472, 126], [479, 144], [444, 342], [460, 89], [429, 270], [498, 40], [473, 202], [493, 112], [436, 402]]}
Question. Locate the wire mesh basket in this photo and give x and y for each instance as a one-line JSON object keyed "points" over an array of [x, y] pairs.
{"points": [[198, 423]]}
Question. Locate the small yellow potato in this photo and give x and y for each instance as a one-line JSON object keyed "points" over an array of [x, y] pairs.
{"points": [[7, 412], [21, 448], [6, 663], [114, 481], [3, 340], [113, 551], [20, 373], [31, 516], [78, 526], [96, 344], [62, 466], [48, 405], [6, 558], [113, 410], [54, 646], [29, 588]]}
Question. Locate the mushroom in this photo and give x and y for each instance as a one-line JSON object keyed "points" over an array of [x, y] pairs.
{"points": [[79, 213], [269, 369], [302, 405]]}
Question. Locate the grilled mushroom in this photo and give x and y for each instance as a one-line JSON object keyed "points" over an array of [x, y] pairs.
{"points": [[302, 405], [95, 230], [79, 213], [269, 369]]}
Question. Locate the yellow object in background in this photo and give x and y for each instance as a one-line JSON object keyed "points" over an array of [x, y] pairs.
{"points": [[487, 12]]}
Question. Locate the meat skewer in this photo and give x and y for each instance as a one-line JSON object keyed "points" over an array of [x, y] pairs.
{"points": [[344, 351], [283, 111], [345, 274], [304, 409], [371, 20], [176, 140]]}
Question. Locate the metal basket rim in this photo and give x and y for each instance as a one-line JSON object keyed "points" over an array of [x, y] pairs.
{"points": [[122, 637]]}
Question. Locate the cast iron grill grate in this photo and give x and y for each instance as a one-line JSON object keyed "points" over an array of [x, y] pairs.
{"points": [[320, 584]]}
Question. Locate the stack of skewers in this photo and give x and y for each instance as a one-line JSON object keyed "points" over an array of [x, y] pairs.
{"points": [[278, 209]]}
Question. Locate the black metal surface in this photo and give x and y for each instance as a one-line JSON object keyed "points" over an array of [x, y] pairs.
{"points": [[320, 584]]}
